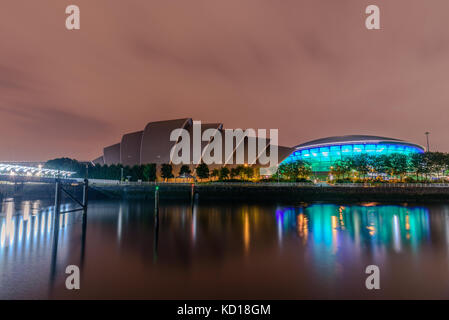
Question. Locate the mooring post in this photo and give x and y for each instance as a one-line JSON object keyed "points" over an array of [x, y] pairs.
{"points": [[85, 191], [192, 194], [156, 223], [156, 203], [57, 210], [83, 236], [57, 199], [55, 232]]}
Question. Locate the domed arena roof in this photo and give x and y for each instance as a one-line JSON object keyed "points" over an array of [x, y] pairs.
{"points": [[353, 139]]}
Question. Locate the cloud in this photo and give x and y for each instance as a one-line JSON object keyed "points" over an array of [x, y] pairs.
{"points": [[52, 123], [307, 67]]}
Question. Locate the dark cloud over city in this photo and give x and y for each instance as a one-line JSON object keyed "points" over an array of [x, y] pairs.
{"points": [[307, 67]]}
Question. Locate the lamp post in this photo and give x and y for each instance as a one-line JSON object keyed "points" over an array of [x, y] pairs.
{"points": [[427, 138]]}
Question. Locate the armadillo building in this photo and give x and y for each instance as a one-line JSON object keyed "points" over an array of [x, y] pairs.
{"points": [[153, 145], [322, 153]]}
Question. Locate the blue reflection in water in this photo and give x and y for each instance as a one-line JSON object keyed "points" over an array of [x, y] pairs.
{"points": [[320, 240], [21, 228], [388, 226], [333, 234], [26, 232]]}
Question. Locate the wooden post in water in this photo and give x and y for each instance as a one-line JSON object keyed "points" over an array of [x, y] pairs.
{"points": [[85, 198], [57, 203], [55, 232], [84, 225], [156, 223]]}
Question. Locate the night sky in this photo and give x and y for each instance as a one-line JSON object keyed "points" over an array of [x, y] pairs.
{"points": [[307, 67]]}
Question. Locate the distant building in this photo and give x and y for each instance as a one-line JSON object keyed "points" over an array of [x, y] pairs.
{"points": [[323, 153], [111, 154], [153, 145]]}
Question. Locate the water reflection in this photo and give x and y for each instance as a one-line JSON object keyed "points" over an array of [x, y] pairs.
{"points": [[391, 227], [26, 233], [194, 244]]}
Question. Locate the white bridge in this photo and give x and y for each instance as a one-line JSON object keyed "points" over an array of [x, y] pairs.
{"points": [[18, 170]]}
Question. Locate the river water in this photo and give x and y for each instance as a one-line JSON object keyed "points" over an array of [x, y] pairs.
{"points": [[225, 250]]}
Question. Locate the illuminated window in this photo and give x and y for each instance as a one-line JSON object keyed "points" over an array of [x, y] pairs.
{"points": [[370, 148], [347, 149], [324, 152], [358, 148], [381, 148]]}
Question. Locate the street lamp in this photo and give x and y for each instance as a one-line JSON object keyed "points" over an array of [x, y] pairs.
{"points": [[427, 138]]}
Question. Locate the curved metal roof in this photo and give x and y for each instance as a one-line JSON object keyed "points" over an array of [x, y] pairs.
{"points": [[111, 154], [156, 144], [353, 139], [130, 148]]}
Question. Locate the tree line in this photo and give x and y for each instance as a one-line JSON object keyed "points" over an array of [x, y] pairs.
{"points": [[145, 172], [414, 167], [295, 171], [417, 167], [148, 172]]}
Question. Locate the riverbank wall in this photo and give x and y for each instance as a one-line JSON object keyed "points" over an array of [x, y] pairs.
{"points": [[282, 192], [240, 192]]}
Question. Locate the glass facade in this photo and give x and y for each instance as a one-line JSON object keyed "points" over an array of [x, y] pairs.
{"points": [[322, 158]]}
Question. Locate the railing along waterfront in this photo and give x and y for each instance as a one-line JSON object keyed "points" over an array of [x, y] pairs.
{"points": [[274, 184]]}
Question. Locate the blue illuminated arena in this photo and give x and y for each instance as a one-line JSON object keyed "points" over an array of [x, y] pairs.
{"points": [[322, 153]]}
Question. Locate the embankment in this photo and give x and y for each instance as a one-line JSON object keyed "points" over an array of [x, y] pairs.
{"points": [[247, 192]]}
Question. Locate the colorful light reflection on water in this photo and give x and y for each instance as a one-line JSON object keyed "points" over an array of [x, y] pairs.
{"points": [[387, 226], [232, 250]]}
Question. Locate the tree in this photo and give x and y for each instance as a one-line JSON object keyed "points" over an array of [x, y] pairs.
{"points": [[234, 172], [136, 172], [224, 173], [361, 164], [185, 169], [294, 170], [437, 163], [380, 163], [166, 171], [248, 172], [446, 164], [67, 164], [149, 172], [240, 169], [215, 173], [417, 164], [114, 172], [399, 164], [304, 170], [202, 171], [340, 169]]}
